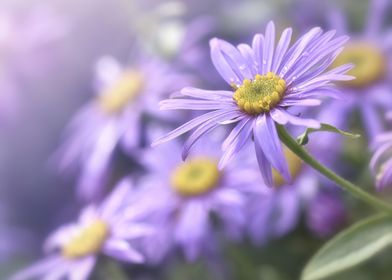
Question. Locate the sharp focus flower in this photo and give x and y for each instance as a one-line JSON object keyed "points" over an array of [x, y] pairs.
{"points": [[266, 81], [104, 229], [381, 162], [181, 196], [114, 119]]}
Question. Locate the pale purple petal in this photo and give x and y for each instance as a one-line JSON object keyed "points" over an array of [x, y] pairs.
{"points": [[268, 48], [192, 124], [267, 137], [311, 123], [82, 268], [281, 48]]}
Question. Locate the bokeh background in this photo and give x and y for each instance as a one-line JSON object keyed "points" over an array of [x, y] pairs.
{"points": [[48, 54]]}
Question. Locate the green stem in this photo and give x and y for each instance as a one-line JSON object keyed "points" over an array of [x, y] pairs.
{"points": [[346, 185]]}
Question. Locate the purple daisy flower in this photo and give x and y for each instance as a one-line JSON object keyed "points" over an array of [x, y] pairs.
{"points": [[181, 196], [370, 51], [381, 161], [105, 229], [114, 119], [266, 81], [274, 212]]}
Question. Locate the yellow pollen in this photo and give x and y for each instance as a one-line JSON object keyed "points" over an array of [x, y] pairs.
{"points": [[295, 167], [88, 241], [195, 177], [115, 98], [369, 63], [261, 94]]}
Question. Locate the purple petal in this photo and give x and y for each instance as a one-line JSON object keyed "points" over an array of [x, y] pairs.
{"points": [[202, 130], [83, 269], [268, 48], [192, 124], [229, 62], [207, 94], [191, 104], [248, 55], [121, 250], [281, 48], [299, 121], [268, 139], [39, 268], [257, 46], [264, 165], [239, 138]]}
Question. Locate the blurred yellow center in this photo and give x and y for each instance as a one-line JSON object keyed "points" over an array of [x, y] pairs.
{"points": [[368, 60], [195, 177], [121, 93], [295, 166], [261, 94], [88, 241]]}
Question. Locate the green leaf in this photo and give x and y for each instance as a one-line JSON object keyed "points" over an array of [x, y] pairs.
{"points": [[303, 139], [351, 247]]}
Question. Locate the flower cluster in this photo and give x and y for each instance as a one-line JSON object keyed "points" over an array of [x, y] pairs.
{"points": [[149, 199]]}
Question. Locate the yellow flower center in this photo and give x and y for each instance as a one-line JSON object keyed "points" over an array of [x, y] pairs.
{"points": [[88, 241], [195, 177], [295, 167], [115, 98], [261, 94], [369, 63]]}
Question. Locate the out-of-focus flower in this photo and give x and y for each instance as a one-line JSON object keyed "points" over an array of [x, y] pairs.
{"points": [[370, 51], [326, 214], [266, 81], [105, 229], [381, 162], [273, 212], [182, 196], [113, 119]]}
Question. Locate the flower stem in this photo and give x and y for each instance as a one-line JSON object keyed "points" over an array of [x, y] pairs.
{"points": [[346, 185]]}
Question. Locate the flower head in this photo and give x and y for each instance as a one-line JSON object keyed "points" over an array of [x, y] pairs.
{"points": [[105, 229], [266, 82], [381, 162], [113, 119], [181, 196], [370, 51]]}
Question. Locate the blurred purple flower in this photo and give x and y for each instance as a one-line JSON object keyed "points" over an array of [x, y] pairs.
{"points": [[274, 212], [326, 214], [381, 162], [105, 229], [370, 51], [181, 196], [114, 119], [266, 82]]}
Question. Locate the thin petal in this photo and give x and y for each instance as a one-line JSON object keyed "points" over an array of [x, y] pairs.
{"points": [[268, 139], [190, 125], [264, 165], [281, 48], [311, 123], [268, 48]]}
